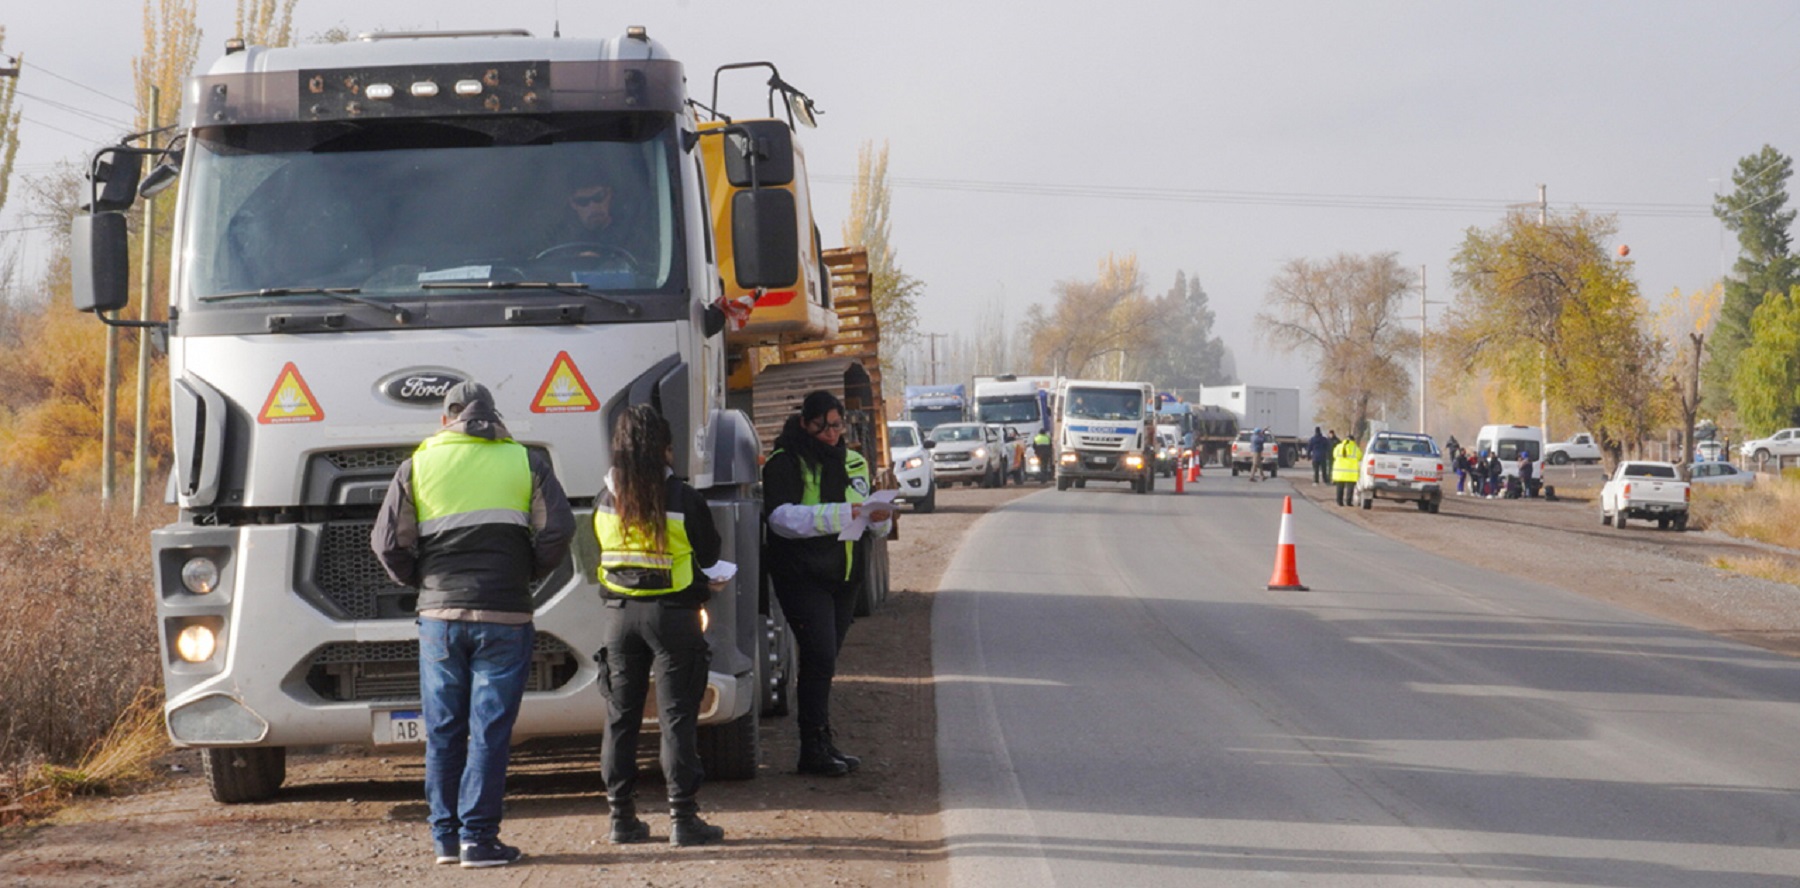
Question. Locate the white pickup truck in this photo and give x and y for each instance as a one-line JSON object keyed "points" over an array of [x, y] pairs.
{"points": [[1402, 466], [1647, 491], [1241, 450], [1580, 448]]}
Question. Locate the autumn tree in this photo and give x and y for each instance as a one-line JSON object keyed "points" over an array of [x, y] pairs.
{"points": [[1756, 211], [1544, 305], [1185, 352], [1097, 328], [1766, 386], [266, 22], [1688, 320], [1344, 313], [894, 292]]}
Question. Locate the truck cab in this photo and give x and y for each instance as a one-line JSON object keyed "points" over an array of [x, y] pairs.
{"points": [[1106, 432]]}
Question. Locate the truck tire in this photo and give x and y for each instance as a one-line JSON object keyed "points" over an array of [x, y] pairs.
{"points": [[729, 751], [874, 589], [1368, 502], [1559, 458], [1619, 520], [928, 504], [1681, 523], [1436, 505], [241, 774], [1424, 506], [1275, 469], [1234, 470], [1062, 483]]}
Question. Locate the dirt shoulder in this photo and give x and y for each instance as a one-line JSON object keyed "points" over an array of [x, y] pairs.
{"points": [[354, 817]]}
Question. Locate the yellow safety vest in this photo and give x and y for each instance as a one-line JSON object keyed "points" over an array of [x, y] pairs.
{"points": [[1344, 460], [461, 481], [854, 466], [631, 565]]}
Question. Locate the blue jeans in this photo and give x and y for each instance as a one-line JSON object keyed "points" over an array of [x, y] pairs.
{"points": [[471, 676]]}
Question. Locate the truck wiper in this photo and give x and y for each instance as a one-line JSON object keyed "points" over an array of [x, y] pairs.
{"points": [[341, 294], [573, 288]]}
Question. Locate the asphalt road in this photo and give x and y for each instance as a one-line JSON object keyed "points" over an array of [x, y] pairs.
{"points": [[1121, 702]]}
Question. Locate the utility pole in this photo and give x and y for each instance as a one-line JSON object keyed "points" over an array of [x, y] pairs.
{"points": [[147, 271], [934, 337], [1544, 363]]}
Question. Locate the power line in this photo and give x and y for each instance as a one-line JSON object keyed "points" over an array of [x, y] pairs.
{"points": [[43, 70], [35, 122], [1265, 198], [79, 112]]}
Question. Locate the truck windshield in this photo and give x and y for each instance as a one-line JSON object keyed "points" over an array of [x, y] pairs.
{"points": [[930, 418], [410, 208], [1087, 403], [1008, 408]]}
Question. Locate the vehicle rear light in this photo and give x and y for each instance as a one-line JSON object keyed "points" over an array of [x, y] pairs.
{"points": [[1687, 494]]}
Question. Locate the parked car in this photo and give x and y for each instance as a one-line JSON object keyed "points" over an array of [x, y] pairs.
{"points": [[909, 451], [1402, 466], [1580, 448], [969, 452], [1648, 491], [1709, 451], [1783, 443], [1720, 474]]}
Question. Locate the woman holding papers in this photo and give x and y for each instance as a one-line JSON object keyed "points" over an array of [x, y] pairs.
{"points": [[814, 488], [659, 562]]}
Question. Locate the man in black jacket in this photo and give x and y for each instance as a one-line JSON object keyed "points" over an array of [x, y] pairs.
{"points": [[471, 520]]}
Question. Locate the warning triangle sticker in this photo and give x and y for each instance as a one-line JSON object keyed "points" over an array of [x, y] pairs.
{"points": [[290, 400], [564, 390]]}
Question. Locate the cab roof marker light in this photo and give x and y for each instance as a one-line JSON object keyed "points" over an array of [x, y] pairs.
{"points": [[379, 91], [468, 87], [424, 89]]}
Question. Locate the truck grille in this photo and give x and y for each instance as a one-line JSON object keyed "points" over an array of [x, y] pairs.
{"points": [[389, 670], [347, 575], [368, 458]]}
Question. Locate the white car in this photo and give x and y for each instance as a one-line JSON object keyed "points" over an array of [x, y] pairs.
{"points": [[907, 450], [1720, 474], [1783, 443]]}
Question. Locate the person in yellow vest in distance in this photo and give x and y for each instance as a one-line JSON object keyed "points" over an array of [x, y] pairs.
{"points": [[471, 520], [659, 556], [1344, 460], [813, 487]]}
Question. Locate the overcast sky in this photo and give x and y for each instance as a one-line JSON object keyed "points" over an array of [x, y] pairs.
{"points": [[1029, 140]]}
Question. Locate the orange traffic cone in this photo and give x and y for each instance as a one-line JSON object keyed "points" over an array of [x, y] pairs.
{"points": [[1286, 576], [1194, 471], [1180, 473]]}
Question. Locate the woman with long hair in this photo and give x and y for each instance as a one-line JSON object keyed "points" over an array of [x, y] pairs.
{"points": [[813, 487], [656, 541]]}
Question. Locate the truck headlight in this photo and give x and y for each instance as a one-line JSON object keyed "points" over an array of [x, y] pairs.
{"points": [[200, 575], [980, 453], [913, 463], [195, 644], [1135, 461], [1067, 457]]}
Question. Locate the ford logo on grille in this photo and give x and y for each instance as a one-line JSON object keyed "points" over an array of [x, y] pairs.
{"points": [[421, 387]]}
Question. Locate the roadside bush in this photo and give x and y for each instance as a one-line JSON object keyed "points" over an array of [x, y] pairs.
{"points": [[78, 644], [1769, 512]]}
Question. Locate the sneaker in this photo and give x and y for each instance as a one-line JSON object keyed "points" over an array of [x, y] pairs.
{"points": [[492, 852], [448, 851]]}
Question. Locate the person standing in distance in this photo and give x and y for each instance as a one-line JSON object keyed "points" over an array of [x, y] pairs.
{"points": [[1256, 453], [471, 520], [1318, 452], [656, 539], [1344, 460], [813, 486]]}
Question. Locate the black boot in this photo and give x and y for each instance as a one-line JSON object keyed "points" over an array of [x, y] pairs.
{"points": [[815, 754], [626, 827], [850, 761], [686, 827]]}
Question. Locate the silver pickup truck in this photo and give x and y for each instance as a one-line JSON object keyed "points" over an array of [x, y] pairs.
{"points": [[1647, 491], [1401, 466]]}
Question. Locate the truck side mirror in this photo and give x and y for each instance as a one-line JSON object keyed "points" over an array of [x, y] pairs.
{"points": [[114, 179], [99, 267], [765, 230], [930, 443]]}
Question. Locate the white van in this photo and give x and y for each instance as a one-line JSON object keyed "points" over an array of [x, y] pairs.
{"points": [[1508, 440]]}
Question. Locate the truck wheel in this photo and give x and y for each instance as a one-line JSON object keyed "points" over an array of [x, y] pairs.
{"points": [[1424, 506], [1274, 470], [1365, 499], [1436, 505], [929, 504], [1062, 483], [244, 773], [1619, 520], [1559, 458], [875, 580], [729, 751], [1662, 524], [1234, 470], [1680, 523]]}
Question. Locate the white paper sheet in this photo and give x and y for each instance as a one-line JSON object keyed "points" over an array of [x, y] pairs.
{"points": [[855, 528]]}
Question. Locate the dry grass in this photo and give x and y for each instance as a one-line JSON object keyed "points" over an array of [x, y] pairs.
{"points": [[1768, 512], [79, 677], [1780, 570]]}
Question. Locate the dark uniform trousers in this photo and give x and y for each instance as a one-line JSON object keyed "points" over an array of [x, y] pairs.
{"points": [[641, 636], [819, 612]]}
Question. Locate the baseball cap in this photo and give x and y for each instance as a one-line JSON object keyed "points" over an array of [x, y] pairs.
{"points": [[463, 394]]}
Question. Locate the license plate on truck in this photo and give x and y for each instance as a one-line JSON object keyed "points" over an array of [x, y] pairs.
{"points": [[399, 726]]}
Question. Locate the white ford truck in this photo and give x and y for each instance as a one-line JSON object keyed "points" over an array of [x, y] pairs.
{"points": [[1647, 491], [1402, 466]]}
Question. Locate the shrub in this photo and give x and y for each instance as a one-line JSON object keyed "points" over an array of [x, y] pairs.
{"points": [[78, 645], [1769, 512]]}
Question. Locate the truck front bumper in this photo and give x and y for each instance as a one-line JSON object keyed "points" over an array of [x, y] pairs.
{"points": [[1101, 465]]}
